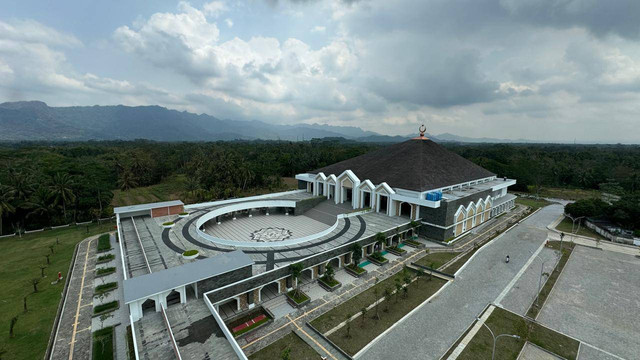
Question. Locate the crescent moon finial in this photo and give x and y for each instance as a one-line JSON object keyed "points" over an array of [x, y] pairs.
{"points": [[422, 129]]}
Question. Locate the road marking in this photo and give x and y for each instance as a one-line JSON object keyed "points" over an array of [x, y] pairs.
{"points": [[472, 333], [518, 275], [75, 324], [312, 339]]}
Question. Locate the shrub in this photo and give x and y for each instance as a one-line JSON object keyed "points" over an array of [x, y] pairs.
{"points": [[103, 343], [356, 268], [106, 258], [103, 243], [168, 223], [105, 307], [190, 252], [378, 256], [106, 287], [104, 271], [184, 213]]}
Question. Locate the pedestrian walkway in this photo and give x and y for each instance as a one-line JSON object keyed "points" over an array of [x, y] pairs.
{"points": [[318, 343], [73, 335]]}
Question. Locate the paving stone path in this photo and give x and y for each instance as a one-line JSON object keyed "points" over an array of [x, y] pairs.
{"points": [[73, 337]]}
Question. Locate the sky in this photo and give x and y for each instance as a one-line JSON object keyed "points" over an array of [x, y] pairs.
{"points": [[552, 70]]}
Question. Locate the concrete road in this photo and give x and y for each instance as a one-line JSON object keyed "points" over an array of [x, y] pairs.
{"points": [[429, 332]]}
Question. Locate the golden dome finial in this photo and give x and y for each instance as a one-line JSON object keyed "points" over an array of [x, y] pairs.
{"points": [[422, 129]]}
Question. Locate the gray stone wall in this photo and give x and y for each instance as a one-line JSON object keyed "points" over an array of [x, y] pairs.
{"points": [[222, 280]]}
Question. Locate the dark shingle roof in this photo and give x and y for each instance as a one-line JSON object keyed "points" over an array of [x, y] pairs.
{"points": [[416, 164]]}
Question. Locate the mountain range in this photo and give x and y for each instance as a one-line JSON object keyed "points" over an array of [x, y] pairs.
{"points": [[36, 121]]}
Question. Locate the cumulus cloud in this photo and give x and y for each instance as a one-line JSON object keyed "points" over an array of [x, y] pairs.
{"points": [[473, 68]]}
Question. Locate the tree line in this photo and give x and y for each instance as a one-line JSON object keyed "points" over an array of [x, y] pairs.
{"points": [[48, 184]]}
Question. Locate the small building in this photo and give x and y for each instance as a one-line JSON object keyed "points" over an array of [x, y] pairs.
{"points": [[165, 208], [418, 179]]}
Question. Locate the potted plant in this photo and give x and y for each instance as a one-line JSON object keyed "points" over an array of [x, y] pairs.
{"points": [[183, 215], [190, 254], [168, 225], [327, 281], [353, 268], [296, 297]]}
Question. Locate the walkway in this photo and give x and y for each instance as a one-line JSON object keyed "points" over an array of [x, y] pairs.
{"points": [[479, 283], [73, 337]]}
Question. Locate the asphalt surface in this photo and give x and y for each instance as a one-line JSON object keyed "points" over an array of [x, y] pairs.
{"points": [[429, 332]]}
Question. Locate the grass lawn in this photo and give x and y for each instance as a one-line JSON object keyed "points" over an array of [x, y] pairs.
{"points": [[106, 307], [103, 243], [436, 259], [105, 288], [452, 268], [329, 282], [298, 349], [105, 258], [170, 188], [535, 204], [567, 248], [566, 224], [363, 332], [335, 316], [103, 344], [505, 322], [20, 259], [568, 194]]}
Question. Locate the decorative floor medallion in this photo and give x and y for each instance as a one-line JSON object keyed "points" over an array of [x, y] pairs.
{"points": [[270, 234]]}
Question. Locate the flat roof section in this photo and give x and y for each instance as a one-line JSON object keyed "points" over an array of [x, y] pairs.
{"points": [[142, 207], [143, 286]]}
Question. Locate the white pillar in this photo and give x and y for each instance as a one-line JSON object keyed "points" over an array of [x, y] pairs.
{"points": [[183, 294]]}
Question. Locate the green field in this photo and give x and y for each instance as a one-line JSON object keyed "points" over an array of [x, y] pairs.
{"points": [[566, 226], [173, 188], [298, 349], [505, 322], [20, 259], [436, 259], [533, 203], [568, 193]]}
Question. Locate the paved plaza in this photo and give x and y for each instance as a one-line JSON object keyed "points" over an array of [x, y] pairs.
{"points": [[479, 283], [596, 300], [258, 227]]}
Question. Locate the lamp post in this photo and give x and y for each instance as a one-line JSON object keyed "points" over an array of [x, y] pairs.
{"points": [[574, 231], [541, 274], [495, 338]]}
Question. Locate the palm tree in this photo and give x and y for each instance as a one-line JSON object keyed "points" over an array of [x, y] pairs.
{"points": [[6, 196], [40, 203], [62, 190], [127, 180]]}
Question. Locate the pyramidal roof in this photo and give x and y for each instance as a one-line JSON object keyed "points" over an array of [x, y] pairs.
{"points": [[418, 164]]}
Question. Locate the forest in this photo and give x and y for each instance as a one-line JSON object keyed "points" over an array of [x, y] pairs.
{"points": [[48, 184]]}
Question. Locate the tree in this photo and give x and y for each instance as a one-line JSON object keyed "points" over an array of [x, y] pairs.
{"points": [[296, 270], [348, 320], [51, 247], [24, 303], [40, 205], [6, 196], [286, 354], [42, 267], [398, 289], [387, 298], [376, 295], [104, 318], [62, 190], [14, 320], [379, 239], [419, 274], [329, 272], [35, 282], [356, 249], [363, 312], [47, 256]]}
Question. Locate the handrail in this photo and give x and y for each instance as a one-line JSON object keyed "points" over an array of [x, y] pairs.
{"points": [[141, 246], [234, 344], [173, 339], [133, 336]]}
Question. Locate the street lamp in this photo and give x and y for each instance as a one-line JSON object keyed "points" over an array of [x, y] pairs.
{"points": [[574, 231], [495, 338], [541, 275]]}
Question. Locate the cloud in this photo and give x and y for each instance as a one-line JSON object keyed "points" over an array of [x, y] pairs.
{"points": [[229, 22], [318, 29], [215, 8]]}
